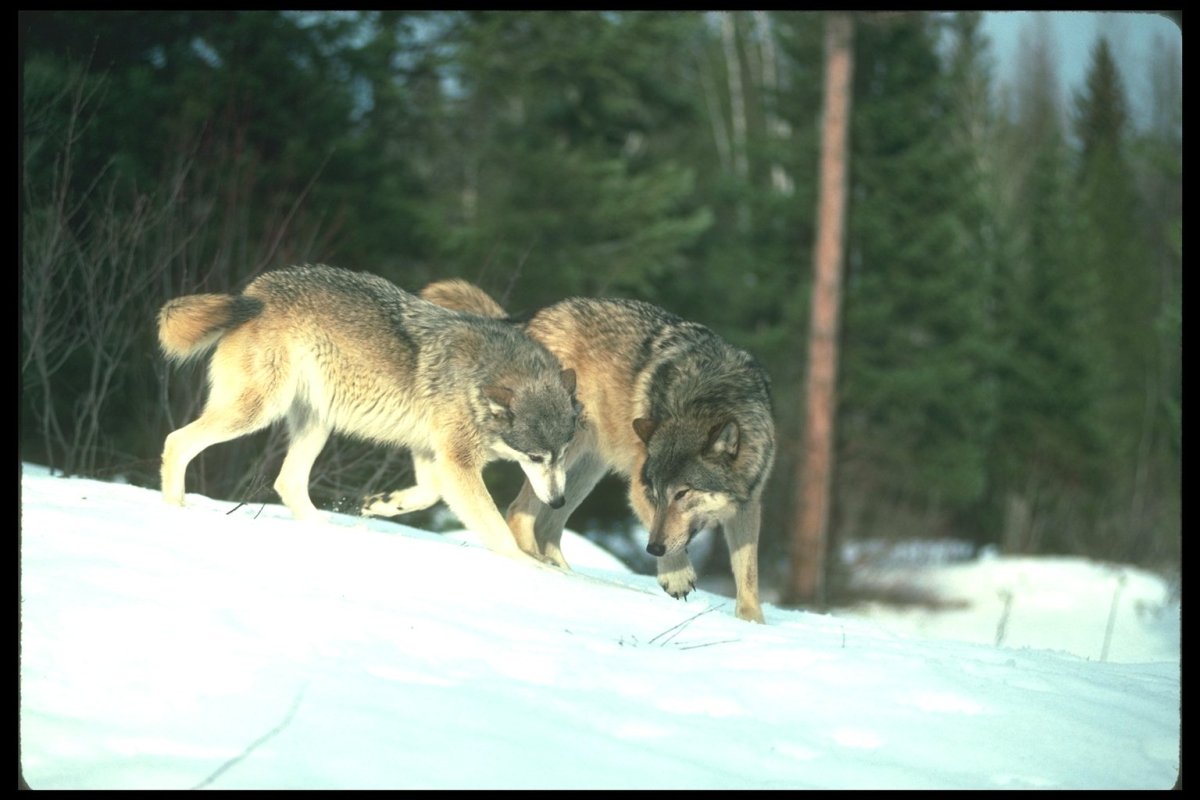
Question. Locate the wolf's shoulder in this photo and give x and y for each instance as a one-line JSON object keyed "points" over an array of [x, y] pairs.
{"points": [[622, 310]]}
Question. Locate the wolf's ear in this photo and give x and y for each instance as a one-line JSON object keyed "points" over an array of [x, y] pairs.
{"points": [[568, 380], [499, 400], [645, 428], [723, 439]]}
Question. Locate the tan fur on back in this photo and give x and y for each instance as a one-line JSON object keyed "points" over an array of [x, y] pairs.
{"points": [[600, 358], [458, 295]]}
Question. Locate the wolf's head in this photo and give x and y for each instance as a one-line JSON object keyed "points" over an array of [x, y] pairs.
{"points": [[534, 421], [689, 476]]}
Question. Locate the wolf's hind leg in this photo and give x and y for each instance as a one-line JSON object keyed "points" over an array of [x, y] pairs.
{"points": [[308, 438], [246, 395], [217, 424], [402, 501]]}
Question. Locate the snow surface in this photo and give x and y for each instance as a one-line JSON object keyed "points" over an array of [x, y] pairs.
{"points": [[233, 647]]}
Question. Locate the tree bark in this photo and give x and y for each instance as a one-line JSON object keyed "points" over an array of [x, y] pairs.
{"points": [[737, 99], [777, 129], [811, 527]]}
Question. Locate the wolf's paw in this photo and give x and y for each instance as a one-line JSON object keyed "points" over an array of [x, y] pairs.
{"points": [[552, 555], [750, 611], [678, 583], [381, 505]]}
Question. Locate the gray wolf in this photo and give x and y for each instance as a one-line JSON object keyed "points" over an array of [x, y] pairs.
{"points": [[668, 404], [330, 350]]}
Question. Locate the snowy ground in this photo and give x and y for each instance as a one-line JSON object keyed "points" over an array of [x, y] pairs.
{"points": [[207, 647], [1103, 612]]}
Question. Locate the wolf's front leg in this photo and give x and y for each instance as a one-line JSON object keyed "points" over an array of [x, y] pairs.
{"points": [[741, 534], [522, 516], [467, 496], [676, 575], [537, 527]]}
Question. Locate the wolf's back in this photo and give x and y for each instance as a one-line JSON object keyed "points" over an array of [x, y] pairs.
{"points": [[459, 295], [190, 325]]}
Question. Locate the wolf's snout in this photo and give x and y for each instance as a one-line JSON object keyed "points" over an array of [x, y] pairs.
{"points": [[656, 549], [557, 502]]}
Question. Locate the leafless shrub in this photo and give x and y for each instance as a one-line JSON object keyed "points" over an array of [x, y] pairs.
{"points": [[99, 258]]}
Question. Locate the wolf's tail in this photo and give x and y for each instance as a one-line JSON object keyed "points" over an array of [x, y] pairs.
{"points": [[459, 295], [190, 325]]}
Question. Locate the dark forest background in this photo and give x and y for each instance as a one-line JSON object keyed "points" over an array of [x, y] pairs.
{"points": [[1012, 297]]}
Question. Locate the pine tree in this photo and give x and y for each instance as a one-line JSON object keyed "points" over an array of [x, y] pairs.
{"points": [[1046, 453], [566, 186], [914, 402], [1158, 165], [1116, 250]]}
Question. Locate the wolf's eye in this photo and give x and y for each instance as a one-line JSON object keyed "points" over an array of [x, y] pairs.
{"points": [[679, 495], [537, 459]]}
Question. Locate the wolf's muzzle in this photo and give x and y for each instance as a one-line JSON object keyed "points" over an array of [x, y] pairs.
{"points": [[656, 549], [558, 502]]}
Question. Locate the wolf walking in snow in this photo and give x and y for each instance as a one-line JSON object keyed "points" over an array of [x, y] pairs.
{"points": [[330, 350], [683, 415]]}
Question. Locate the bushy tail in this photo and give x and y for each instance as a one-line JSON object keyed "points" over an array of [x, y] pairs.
{"points": [[190, 325], [459, 295]]}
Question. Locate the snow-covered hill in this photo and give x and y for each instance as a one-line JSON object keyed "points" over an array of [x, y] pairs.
{"points": [[202, 647]]}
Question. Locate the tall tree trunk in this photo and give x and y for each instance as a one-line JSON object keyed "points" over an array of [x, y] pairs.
{"points": [[811, 526], [777, 129], [716, 115], [737, 98]]}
